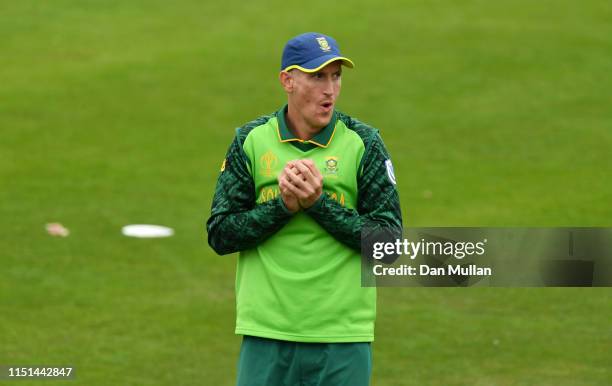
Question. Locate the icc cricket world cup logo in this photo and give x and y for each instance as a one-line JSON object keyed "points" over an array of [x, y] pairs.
{"points": [[268, 163]]}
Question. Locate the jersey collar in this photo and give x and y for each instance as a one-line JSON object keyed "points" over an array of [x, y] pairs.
{"points": [[322, 139]]}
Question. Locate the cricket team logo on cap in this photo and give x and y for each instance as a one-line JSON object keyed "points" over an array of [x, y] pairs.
{"points": [[268, 163], [323, 44]]}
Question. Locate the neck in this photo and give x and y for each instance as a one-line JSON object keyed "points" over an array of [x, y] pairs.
{"points": [[298, 125]]}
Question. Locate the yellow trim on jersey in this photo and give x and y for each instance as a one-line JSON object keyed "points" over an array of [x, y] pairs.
{"points": [[280, 138], [330, 137], [305, 141], [346, 61]]}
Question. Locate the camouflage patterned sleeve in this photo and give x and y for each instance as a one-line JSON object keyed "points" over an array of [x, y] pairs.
{"points": [[378, 205], [236, 222]]}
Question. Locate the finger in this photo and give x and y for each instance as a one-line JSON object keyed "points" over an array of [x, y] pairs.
{"points": [[283, 183], [291, 164], [285, 174], [305, 171], [288, 165], [313, 168], [298, 173], [284, 186], [295, 179], [283, 171], [297, 192], [308, 162], [316, 179], [287, 188], [302, 191]]}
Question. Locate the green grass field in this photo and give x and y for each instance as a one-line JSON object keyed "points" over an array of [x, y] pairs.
{"points": [[113, 112]]}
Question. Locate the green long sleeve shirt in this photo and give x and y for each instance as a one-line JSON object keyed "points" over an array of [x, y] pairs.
{"points": [[298, 275]]}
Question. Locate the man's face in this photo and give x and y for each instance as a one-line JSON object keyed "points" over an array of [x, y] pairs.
{"points": [[313, 95]]}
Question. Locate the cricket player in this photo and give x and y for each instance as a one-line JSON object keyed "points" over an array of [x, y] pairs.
{"points": [[295, 190]]}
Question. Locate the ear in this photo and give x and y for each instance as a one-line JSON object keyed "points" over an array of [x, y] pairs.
{"points": [[286, 80]]}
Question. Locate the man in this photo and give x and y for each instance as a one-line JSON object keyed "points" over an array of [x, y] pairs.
{"points": [[295, 191]]}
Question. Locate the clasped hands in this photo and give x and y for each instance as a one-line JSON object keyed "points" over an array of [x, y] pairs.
{"points": [[301, 184]]}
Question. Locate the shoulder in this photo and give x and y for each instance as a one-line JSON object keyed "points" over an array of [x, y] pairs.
{"points": [[374, 147], [366, 132], [243, 131]]}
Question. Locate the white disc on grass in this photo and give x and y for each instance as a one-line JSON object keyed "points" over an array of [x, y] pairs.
{"points": [[146, 231]]}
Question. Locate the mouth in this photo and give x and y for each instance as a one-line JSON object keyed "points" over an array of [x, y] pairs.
{"points": [[327, 106]]}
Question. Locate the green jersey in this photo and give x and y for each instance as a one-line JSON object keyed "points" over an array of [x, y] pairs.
{"points": [[299, 275]]}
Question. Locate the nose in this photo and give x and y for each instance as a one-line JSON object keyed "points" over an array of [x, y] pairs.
{"points": [[328, 90]]}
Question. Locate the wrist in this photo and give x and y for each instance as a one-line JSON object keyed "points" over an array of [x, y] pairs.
{"points": [[288, 209], [284, 206], [315, 204]]}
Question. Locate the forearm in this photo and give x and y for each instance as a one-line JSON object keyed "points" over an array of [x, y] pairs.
{"points": [[342, 223], [231, 232], [346, 225]]}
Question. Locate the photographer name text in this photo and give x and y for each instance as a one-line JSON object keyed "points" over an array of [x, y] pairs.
{"points": [[426, 270]]}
